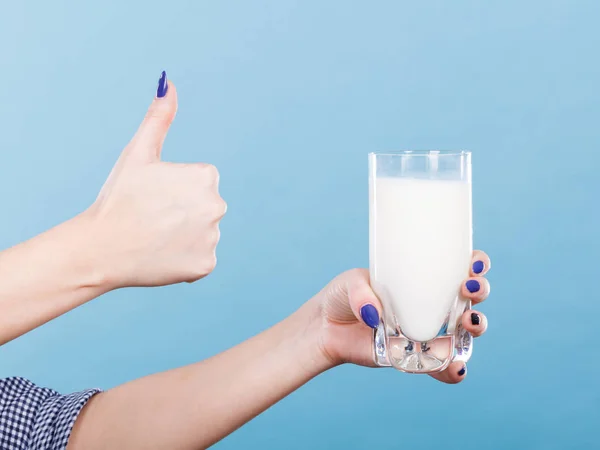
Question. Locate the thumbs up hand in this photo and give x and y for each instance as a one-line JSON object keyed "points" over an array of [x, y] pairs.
{"points": [[156, 223]]}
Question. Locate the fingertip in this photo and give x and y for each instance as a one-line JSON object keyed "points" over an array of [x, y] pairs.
{"points": [[480, 263], [454, 373], [163, 85], [168, 98], [476, 289], [478, 267], [474, 322], [171, 90], [363, 301], [370, 315], [457, 371]]}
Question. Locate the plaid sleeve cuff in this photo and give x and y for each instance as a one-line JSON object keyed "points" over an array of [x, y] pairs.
{"points": [[34, 418]]}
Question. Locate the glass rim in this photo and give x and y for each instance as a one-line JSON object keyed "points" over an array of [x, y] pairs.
{"points": [[422, 153]]}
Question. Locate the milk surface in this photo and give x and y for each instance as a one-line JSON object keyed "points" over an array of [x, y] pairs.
{"points": [[420, 250]]}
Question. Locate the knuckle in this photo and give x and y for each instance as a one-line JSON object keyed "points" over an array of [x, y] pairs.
{"points": [[357, 276], [214, 237], [195, 274], [194, 278], [356, 272], [211, 172], [220, 208], [195, 170], [210, 263], [202, 268], [207, 173]]}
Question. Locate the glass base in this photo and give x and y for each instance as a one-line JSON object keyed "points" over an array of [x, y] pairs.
{"points": [[396, 350]]}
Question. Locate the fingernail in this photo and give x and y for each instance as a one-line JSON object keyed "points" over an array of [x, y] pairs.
{"points": [[370, 315], [478, 267], [462, 371], [473, 286], [475, 319], [163, 86]]}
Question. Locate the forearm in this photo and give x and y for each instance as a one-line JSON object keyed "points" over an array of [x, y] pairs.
{"points": [[47, 276], [195, 406]]}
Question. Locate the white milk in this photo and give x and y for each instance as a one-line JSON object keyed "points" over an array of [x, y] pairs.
{"points": [[420, 250]]}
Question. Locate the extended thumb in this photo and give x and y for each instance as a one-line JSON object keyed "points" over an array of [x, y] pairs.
{"points": [[148, 141]]}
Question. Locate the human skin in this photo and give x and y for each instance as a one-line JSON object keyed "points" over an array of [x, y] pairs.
{"points": [[193, 407], [154, 223]]}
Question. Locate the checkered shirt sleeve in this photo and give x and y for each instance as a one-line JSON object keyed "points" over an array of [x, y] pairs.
{"points": [[36, 418]]}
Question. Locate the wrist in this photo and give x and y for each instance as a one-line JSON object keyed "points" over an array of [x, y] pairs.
{"points": [[46, 276], [308, 338], [87, 253]]}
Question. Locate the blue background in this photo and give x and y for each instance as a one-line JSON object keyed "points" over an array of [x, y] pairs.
{"points": [[287, 98]]}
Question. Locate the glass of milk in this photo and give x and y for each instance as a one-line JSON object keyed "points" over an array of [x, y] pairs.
{"points": [[420, 246]]}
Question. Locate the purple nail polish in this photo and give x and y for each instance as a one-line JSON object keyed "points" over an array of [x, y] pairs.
{"points": [[163, 86], [473, 286], [370, 315], [478, 267]]}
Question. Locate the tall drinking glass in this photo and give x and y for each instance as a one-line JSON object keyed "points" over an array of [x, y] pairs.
{"points": [[420, 246]]}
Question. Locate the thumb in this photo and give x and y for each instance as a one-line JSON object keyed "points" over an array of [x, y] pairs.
{"points": [[364, 303], [350, 298], [147, 143]]}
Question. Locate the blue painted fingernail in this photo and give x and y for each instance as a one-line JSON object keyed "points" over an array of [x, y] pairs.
{"points": [[475, 319], [370, 315], [462, 371], [478, 267], [163, 86], [473, 286]]}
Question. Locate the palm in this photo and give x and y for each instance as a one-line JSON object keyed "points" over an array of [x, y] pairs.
{"points": [[344, 338]]}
